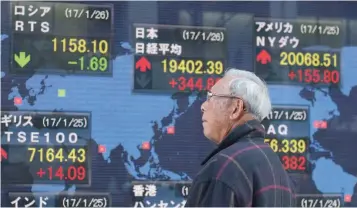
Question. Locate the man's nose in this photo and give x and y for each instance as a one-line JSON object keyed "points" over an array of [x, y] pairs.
{"points": [[203, 107]]}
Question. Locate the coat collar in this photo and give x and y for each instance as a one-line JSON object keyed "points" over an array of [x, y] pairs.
{"points": [[252, 128]]}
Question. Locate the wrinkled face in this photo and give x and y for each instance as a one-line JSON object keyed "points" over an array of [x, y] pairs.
{"points": [[216, 111]]}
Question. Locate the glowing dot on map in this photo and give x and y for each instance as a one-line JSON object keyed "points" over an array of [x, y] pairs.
{"points": [[61, 93], [320, 124], [348, 198], [171, 130], [18, 100], [145, 145], [102, 148]]}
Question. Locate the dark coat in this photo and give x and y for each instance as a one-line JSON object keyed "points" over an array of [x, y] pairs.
{"points": [[243, 171]]}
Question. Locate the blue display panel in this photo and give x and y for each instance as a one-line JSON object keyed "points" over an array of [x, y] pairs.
{"points": [[79, 68]]}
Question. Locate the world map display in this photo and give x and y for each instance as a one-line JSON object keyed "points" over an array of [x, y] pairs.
{"points": [[122, 121]]}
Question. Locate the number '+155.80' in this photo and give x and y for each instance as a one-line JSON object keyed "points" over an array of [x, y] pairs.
{"points": [[315, 76]]}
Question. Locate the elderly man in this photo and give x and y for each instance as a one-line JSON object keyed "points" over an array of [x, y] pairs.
{"points": [[243, 170]]}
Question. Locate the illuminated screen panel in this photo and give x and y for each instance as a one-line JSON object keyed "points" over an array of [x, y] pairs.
{"points": [[61, 38], [145, 193], [319, 200], [53, 145], [63, 199], [294, 51], [178, 58], [288, 134]]}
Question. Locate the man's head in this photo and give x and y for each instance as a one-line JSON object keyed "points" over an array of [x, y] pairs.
{"points": [[238, 97]]}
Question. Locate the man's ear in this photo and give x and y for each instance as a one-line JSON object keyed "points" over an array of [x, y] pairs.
{"points": [[238, 109]]}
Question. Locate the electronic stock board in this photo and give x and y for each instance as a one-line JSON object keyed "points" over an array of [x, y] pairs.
{"points": [[298, 51], [287, 52], [288, 134], [44, 147], [178, 58], [61, 38], [77, 38]]}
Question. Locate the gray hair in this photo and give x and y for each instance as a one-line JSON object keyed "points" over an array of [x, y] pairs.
{"points": [[252, 90]]}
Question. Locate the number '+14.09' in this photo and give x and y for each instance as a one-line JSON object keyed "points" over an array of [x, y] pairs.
{"points": [[73, 173]]}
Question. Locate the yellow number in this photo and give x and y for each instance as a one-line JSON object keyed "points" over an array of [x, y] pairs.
{"points": [[334, 57], [308, 60], [283, 61], [50, 155], [285, 144], [72, 45], [291, 59], [181, 66], [198, 69], [54, 41], [40, 151], [293, 146], [327, 59], [82, 155], [219, 67], [210, 69], [299, 59], [190, 66], [210, 66], [64, 45], [82, 46], [164, 65], [274, 145], [301, 145], [173, 66], [266, 141], [102, 46], [33, 152], [315, 60], [59, 155], [73, 155]]}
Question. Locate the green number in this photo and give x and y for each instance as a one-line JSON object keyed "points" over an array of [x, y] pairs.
{"points": [[81, 61], [95, 63], [103, 64]]}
